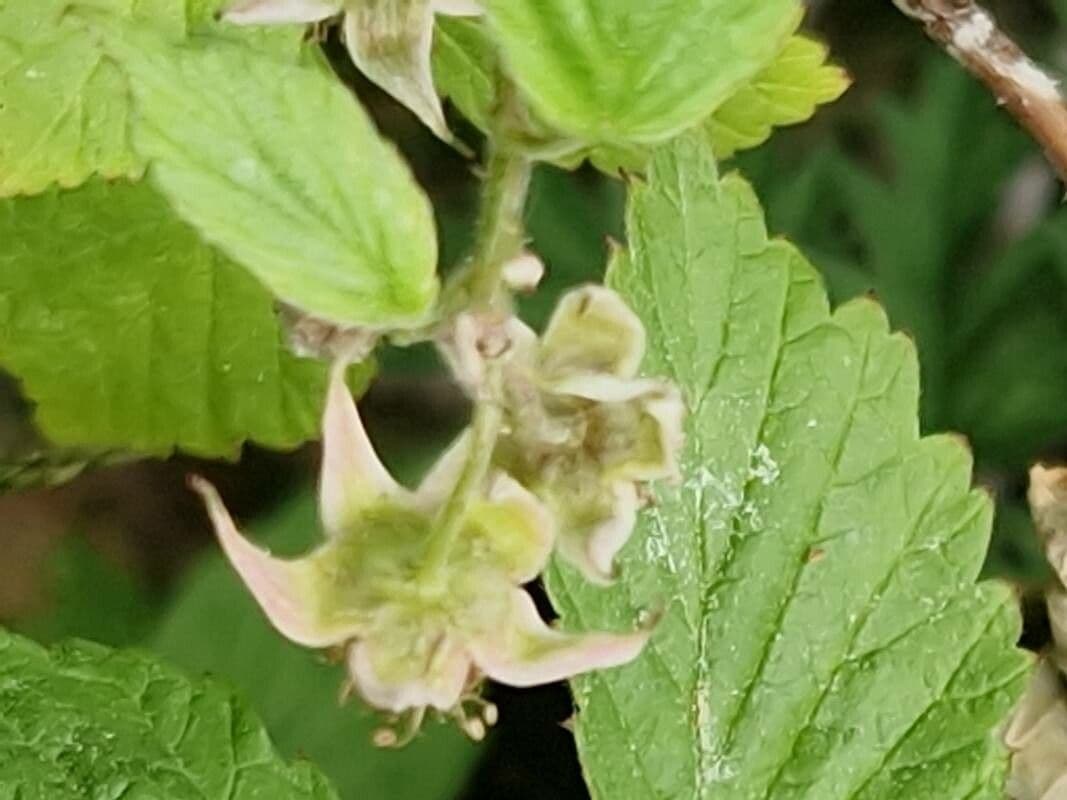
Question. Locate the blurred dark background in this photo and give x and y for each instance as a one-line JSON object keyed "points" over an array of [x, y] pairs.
{"points": [[913, 188]]}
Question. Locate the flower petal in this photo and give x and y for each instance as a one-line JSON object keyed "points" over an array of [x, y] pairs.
{"points": [[285, 590], [267, 12], [592, 330], [530, 653], [458, 8], [391, 42], [439, 482], [591, 541], [512, 530], [353, 477], [440, 685]]}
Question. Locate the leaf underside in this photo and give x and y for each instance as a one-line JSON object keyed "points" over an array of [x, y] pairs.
{"points": [[83, 721], [630, 71], [279, 166], [823, 636], [129, 332], [64, 105]]}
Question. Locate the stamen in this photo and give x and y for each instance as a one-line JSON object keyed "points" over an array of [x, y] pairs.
{"points": [[385, 738]]}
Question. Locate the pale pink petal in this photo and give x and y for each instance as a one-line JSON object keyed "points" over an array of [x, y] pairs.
{"points": [[267, 12], [441, 480], [353, 477], [531, 653], [592, 330], [283, 589], [440, 687], [458, 8], [593, 551], [394, 51]]}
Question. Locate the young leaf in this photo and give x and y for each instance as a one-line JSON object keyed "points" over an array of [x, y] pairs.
{"points": [[785, 92], [822, 636], [129, 332], [620, 71], [64, 106], [280, 167], [81, 721], [296, 691]]}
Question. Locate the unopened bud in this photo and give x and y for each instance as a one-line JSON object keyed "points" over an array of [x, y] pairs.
{"points": [[522, 274]]}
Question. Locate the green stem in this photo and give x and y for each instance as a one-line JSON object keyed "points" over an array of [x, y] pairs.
{"points": [[484, 430], [500, 233]]}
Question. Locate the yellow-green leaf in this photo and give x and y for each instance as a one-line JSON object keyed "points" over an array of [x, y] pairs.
{"points": [[785, 92]]}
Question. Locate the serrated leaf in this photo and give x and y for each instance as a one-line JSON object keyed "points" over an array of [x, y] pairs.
{"points": [[127, 331], [296, 691], [933, 236], [785, 92], [64, 106], [83, 721], [823, 636], [280, 167], [622, 71]]}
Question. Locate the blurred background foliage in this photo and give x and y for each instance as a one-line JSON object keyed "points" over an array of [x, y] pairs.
{"points": [[913, 188]]}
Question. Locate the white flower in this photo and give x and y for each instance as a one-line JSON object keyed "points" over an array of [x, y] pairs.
{"points": [[391, 41], [583, 431], [418, 632]]}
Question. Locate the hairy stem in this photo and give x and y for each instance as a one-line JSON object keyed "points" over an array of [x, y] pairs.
{"points": [[971, 36], [500, 236], [483, 433]]}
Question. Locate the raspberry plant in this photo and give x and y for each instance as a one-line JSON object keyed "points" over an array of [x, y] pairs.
{"points": [[766, 578]]}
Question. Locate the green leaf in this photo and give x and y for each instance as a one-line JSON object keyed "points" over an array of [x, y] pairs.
{"points": [[280, 167], [83, 721], [295, 690], [823, 636], [620, 71], [464, 67], [64, 106], [785, 92], [128, 332], [929, 232]]}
